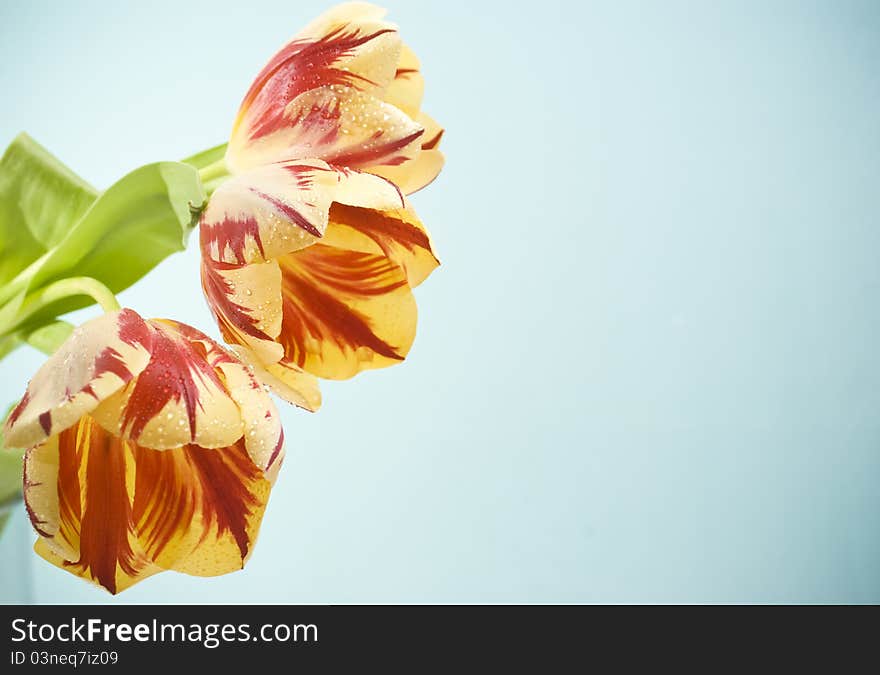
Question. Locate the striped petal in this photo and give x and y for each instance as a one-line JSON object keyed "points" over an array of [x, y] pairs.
{"points": [[179, 398], [86, 526], [407, 88], [344, 311], [246, 298], [114, 513], [285, 379], [280, 208], [198, 510], [267, 212], [414, 174], [263, 435], [97, 360], [246, 303], [397, 234], [350, 46], [341, 125]]}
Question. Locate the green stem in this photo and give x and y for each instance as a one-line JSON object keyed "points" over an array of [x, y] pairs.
{"points": [[78, 286], [213, 171], [64, 288]]}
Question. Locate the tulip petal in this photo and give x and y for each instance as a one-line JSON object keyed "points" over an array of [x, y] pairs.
{"points": [[340, 125], [285, 379], [284, 207], [398, 234], [346, 13], [407, 88], [246, 303], [97, 360], [263, 435], [349, 47], [198, 510], [268, 212], [414, 174], [87, 528], [114, 513], [179, 397], [344, 311]]}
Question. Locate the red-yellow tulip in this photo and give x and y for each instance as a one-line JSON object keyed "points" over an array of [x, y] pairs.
{"points": [[311, 249], [151, 448]]}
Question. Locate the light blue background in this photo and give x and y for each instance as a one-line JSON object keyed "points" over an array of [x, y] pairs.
{"points": [[648, 368]]}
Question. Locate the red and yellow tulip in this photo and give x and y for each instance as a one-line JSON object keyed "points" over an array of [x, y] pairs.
{"points": [[311, 249], [151, 448]]}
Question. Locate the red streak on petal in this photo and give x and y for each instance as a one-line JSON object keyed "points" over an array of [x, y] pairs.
{"points": [[106, 519], [176, 370], [232, 318], [298, 67], [380, 154], [132, 330], [16, 413], [382, 228], [288, 212], [172, 487], [303, 173], [232, 233], [36, 521], [317, 126], [70, 455], [433, 142], [277, 450], [312, 280], [46, 421]]}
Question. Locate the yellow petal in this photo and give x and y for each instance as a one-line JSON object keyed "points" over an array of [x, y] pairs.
{"points": [[179, 397], [344, 311], [263, 435], [349, 47], [338, 124], [98, 359], [246, 303], [87, 529], [285, 379], [397, 234], [198, 510], [359, 188], [267, 212], [41, 469], [114, 513], [407, 88], [414, 174]]}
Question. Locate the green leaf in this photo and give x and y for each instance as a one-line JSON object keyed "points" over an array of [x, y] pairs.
{"points": [[128, 230], [50, 337], [47, 338], [10, 474], [40, 198], [202, 159]]}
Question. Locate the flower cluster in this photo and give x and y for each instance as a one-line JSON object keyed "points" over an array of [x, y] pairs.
{"points": [[150, 446]]}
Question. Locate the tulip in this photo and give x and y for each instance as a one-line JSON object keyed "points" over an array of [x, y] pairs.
{"points": [[149, 448], [310, 250], [345, 90]]}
